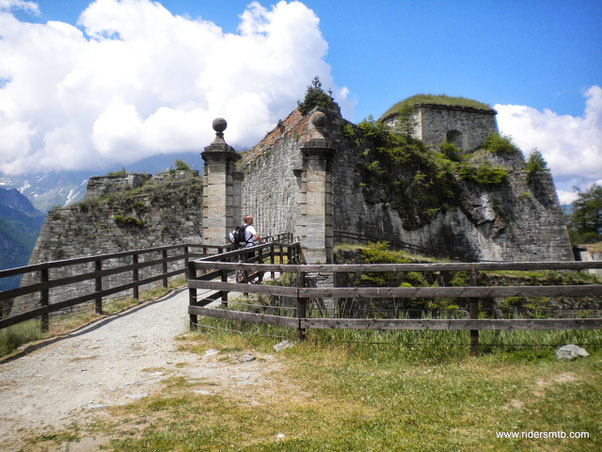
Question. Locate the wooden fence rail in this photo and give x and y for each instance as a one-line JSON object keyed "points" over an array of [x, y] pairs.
{"points": [[180, 253], [230, 262]]}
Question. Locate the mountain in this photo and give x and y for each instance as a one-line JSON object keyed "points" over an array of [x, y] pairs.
{"points": [[46, 191], [20, 225]]}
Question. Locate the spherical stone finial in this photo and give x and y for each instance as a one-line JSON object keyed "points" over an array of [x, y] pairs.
{"points": [[219, 125], [318, 119]]}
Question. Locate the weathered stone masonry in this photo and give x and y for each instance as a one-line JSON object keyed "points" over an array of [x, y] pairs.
{"points": [[167, 209], [466, 127], [290, 186]]}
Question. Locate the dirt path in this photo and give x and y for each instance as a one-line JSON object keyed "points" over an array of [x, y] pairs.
{"points": [[112, 362]]}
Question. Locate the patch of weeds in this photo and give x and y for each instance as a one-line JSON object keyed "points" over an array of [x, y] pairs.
{"points": [[14, 336]]}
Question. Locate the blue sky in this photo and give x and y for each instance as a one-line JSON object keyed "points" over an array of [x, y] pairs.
{"points": [[537, 62]]}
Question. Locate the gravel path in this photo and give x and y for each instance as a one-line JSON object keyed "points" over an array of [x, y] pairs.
{"points": [[113, 361]]}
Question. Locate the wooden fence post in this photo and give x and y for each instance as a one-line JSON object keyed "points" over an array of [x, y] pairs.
{"points": [[474, 313], [192, 296], [44, 299], [164, 266], [224, 274], [272, 259], [98, 285], [301, 304], [135, 276], [260, 261], [245, 277], [186, 253]]}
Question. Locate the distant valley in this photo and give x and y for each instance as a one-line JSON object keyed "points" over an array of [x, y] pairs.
{"points": [[20, 225]]}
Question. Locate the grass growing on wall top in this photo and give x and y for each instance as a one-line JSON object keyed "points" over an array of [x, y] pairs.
{"points": [[438, 99]]}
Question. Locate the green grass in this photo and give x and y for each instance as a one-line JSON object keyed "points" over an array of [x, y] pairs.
{"points": [[333, 395], [14, 336], [438, 99]]}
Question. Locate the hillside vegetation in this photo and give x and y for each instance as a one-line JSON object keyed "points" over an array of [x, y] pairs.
{"points": [[419, 182]]}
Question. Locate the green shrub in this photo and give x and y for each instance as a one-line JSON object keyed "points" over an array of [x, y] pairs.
{"points": [[181, 165], [483, 174], [499, 144], [127, 221], [451, 151], [404, 173]]}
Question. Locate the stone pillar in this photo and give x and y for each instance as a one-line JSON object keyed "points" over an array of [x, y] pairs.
{"points": [[237, 178], [219, 196], [315, 223]]}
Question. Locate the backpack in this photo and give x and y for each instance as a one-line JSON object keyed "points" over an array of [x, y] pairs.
{"points": [[237, 236]]}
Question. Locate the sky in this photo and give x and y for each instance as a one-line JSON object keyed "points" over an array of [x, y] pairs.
{"points": [[88, 84]]}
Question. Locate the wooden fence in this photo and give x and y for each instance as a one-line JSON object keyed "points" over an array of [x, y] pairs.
{"points": [[165, 256], [202, 273]]}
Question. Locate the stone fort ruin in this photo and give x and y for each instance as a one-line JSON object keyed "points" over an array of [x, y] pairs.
{"points": [[305, 177], [326, 181], [465, 126]]}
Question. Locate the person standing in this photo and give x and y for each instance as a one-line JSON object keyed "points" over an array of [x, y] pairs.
{"points": [[250, 233], [250, 236]]}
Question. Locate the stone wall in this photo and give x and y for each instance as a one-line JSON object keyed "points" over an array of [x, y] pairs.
{"points": [[436, 121], [168, 212], [272, 177], [589, 253], [515, 221], [464, 126], [102, 185]]}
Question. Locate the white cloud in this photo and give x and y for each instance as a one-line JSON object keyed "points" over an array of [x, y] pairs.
{"points": [[572, 146], [30, 7], [135, 80]]}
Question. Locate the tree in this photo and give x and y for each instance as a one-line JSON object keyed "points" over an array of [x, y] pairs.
{"points": [[536, 165], [407, 123], [315, 96], [585, 219]]}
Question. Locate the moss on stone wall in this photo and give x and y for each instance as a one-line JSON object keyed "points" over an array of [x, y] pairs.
{"points": [[411, 178]]}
